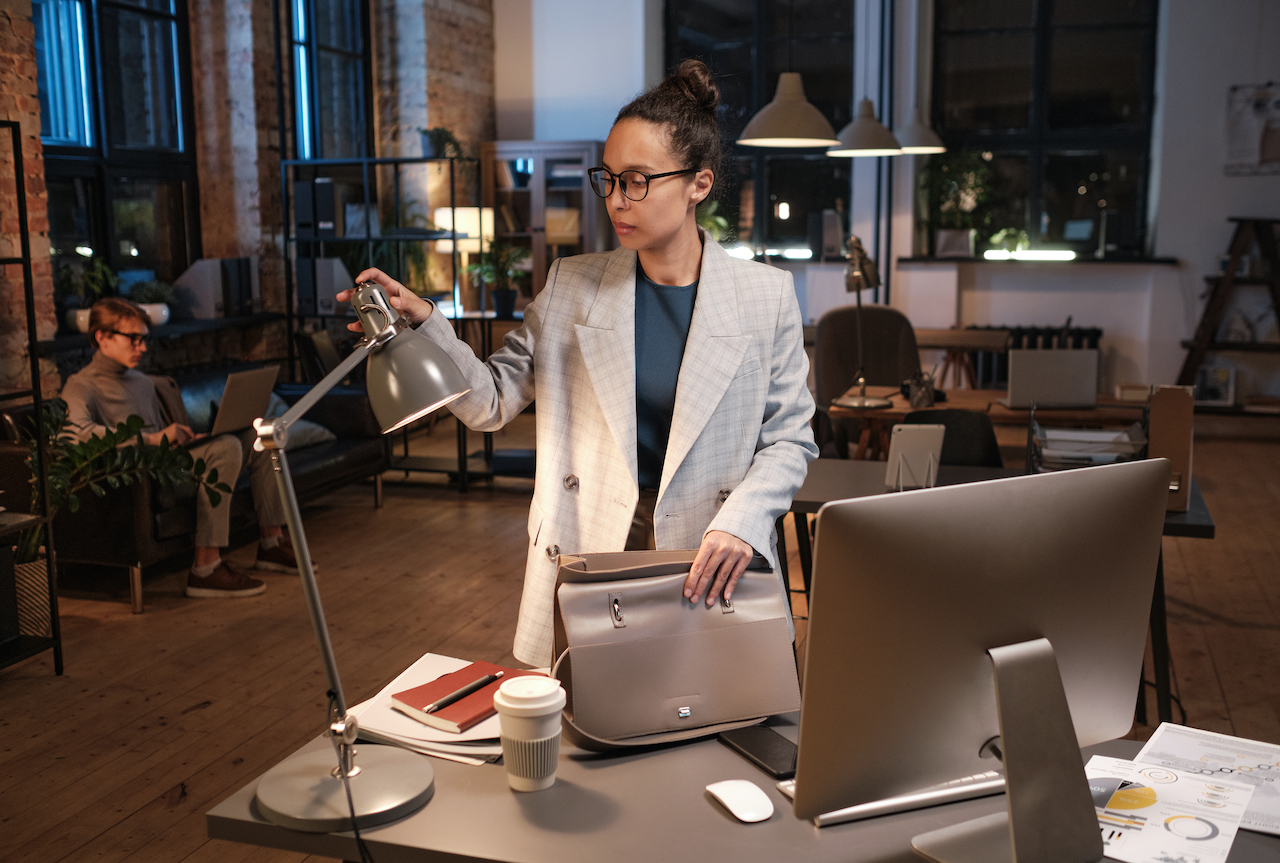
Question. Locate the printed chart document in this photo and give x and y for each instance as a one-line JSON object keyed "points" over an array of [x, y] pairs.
{"points": [[1211, 754], [1158, 815]]}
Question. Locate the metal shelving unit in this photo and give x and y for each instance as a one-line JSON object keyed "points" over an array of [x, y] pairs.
{"points": [[25, 646]]}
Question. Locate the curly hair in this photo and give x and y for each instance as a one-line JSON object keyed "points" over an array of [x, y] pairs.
{"points": [[685, 103]]}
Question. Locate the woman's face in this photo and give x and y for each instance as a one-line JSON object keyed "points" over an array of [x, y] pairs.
{"points": [[668, 207]]}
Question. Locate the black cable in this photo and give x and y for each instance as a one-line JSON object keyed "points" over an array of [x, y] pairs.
{"points": [[365, 855], [1176, 699]]}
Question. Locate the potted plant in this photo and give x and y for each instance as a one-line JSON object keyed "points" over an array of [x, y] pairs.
{"points": [[956, 186], [441, 143], [117, 459], [155, 297], [78, 285], [499, 267]]}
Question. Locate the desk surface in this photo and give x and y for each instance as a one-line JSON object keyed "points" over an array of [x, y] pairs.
{"points": [[831, 479], [634, 807], [1109, 411]]}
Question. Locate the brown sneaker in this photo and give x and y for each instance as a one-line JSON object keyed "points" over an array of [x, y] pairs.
{"points": [[226, 581], [280, 559]]}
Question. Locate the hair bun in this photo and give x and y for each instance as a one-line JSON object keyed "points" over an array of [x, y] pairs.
{"points": [[694, 79]]}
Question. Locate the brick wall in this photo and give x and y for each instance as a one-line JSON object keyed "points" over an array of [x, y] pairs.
{"points": [[19, 101]]}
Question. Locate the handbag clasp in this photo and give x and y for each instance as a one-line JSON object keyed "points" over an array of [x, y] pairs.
{"points": [[615, 610]]}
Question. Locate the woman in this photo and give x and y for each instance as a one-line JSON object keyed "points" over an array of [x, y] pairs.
{"points": [[672, 410]]}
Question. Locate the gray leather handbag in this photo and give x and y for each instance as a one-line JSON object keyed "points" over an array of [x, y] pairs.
{"points": [[643, 665]]}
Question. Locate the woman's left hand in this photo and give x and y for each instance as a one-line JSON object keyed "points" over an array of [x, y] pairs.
{"points": [[721, 560]]}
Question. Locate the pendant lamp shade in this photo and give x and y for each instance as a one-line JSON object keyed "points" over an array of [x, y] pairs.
{"points": [[866, 136], [789, 120], [916, 137]]}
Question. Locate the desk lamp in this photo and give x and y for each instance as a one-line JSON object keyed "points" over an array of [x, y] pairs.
{"points": [[408, 377], [860, 275]]}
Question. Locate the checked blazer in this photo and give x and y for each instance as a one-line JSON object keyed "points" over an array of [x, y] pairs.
{"points": [[740, 438]]}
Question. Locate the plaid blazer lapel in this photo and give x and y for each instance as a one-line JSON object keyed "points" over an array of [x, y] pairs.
{"points": [[607, 342], [712, 356]]}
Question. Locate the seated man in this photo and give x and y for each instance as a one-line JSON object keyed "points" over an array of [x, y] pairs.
{"points": [[110, 388]]}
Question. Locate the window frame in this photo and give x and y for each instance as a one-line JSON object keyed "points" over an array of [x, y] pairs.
{"points": [[310, 42], [1038, 141], [103, 163]]}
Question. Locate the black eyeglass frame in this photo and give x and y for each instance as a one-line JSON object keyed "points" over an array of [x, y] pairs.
{"points": [[648, 178], [135, 339]]}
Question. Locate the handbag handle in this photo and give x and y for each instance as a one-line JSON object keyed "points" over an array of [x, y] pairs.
{"points": [[586, 740]]}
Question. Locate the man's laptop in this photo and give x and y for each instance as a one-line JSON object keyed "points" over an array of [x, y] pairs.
{"points": [[244, 399], [1052, 378]]}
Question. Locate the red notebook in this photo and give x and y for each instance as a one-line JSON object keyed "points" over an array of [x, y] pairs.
{"points": [[463, 713]]}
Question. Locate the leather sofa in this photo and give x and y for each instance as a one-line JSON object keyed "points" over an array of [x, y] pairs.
{"points": [[143, 524]]}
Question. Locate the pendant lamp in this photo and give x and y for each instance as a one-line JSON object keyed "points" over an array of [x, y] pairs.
{"points": [[916, 137], [789, 120], [866, 136]]}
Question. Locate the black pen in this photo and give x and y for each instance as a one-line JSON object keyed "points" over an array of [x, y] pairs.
{"points": [[463, 692]]}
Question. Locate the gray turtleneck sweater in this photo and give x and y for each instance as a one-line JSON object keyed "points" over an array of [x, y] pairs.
{"points": [[104, 393]]}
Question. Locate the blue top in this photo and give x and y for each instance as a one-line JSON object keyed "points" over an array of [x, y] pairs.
{"points": [[663, 314]]}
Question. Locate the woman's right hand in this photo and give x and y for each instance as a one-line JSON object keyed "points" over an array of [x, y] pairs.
{"points": [[402, 299]]}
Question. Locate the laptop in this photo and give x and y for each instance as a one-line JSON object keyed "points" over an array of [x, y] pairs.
{"points": [[244, 399], [1052, 378]]}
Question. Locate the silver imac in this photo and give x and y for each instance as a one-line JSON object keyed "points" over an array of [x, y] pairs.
{"points": [[916, 597]]}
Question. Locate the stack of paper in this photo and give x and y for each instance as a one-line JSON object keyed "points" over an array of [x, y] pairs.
{"points": [[1061, 449], [380, 723]]}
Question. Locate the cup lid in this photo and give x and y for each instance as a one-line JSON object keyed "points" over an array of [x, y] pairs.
{"points": [[533, 693]]}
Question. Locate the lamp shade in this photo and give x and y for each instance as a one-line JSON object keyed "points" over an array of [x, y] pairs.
{"points": [[789, 120], [866, 136], [916, 137], [408, 376]]}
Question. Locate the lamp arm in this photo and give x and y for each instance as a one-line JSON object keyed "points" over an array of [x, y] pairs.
{"points": [[308, 401]]}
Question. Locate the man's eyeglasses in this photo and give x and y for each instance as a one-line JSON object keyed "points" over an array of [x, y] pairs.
{"points": [[635, 185], [135, 339]]}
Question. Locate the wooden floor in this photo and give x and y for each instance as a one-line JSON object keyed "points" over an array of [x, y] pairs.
{"points": [[160, 716]]}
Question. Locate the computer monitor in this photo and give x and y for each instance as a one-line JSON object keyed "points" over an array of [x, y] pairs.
{"points": [[911, 590]]}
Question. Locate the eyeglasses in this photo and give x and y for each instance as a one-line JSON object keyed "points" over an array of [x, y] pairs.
{"points": [[635, 185], [135, 339]]}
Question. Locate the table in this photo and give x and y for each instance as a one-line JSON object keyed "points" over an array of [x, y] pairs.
{"points": [[959, 345], [877, 422], [838, 479], [648, 806]]}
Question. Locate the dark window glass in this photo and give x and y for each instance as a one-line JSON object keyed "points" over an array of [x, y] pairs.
{"points": [[138, 53], [149, 217], [74, 230], [812, 37], [1096, 78], [1060, 94], [985, 80], [338, 24], [329, 68], [338, 91], [1092, 12], [60, 38], [1078, 189], [970, 14], [154, 5]]}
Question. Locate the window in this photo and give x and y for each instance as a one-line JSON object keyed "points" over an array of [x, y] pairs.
{"points": [[329, 79], [770, 195], [1058, 96], [114, 88]]}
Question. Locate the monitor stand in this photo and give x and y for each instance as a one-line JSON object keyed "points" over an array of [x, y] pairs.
{"points": [[1050, 817]]}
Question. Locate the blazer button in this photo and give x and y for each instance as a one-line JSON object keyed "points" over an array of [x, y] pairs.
{"points": [[571, 482], [553, 551], [724, 495]]}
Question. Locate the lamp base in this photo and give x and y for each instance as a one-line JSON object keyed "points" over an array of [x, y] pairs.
{"points": [[302, 793], [862, 402]]}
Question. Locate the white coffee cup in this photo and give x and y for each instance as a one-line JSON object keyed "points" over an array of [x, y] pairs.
{"points": [[529, 716]]}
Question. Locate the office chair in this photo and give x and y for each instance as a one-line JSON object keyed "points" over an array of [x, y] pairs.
{"points": [[891, 357], [970, 438]]}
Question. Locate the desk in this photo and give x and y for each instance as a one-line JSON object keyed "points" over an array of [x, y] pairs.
{"points": [[877, 422], [631, 808], [958, 345], [837, 479]]}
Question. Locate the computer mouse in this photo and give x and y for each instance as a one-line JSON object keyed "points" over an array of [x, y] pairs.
{"points": [[744, 799]]}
